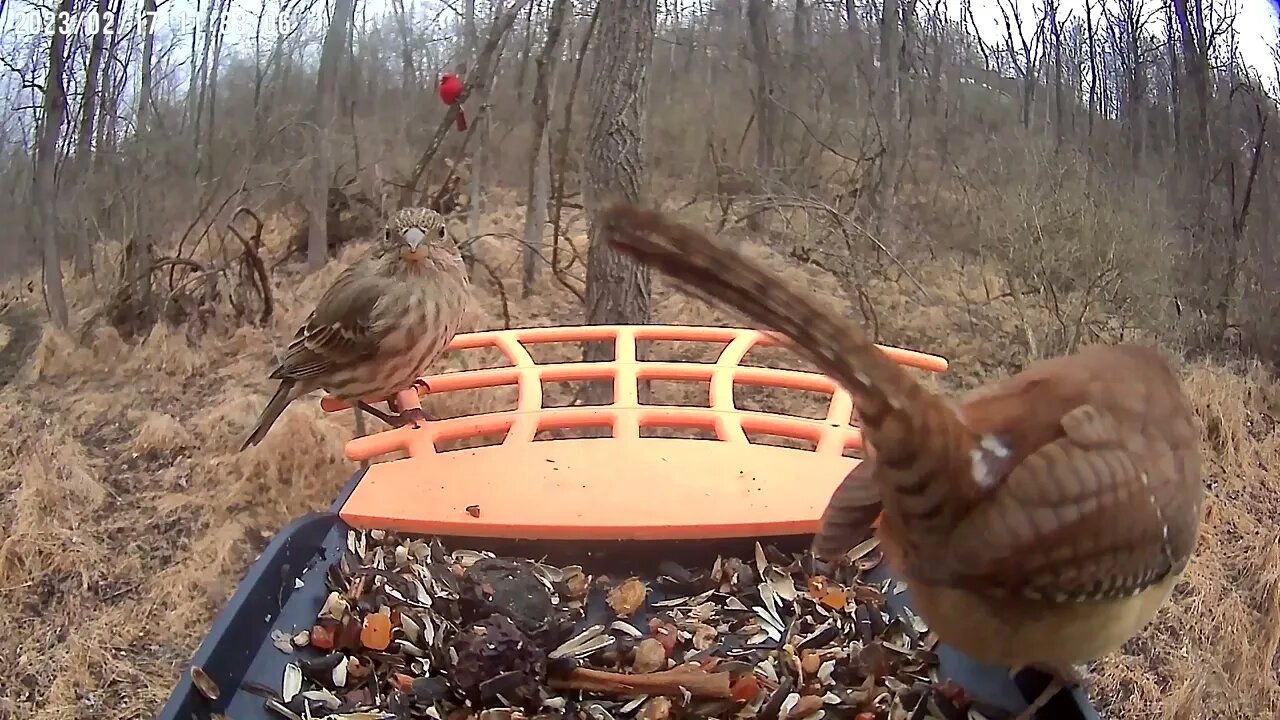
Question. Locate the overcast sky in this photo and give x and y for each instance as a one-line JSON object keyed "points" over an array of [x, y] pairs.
{"points": [[1256, 23]]}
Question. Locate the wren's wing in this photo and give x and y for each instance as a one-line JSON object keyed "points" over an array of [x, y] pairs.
{"points": [[849, 514], [1103, 511]]}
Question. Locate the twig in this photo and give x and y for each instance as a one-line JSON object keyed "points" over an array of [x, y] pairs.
{"points": [[809, 131], [502, 291], [476, 79], [254, 259], [561, 156], [677, 681], [844, 221]]}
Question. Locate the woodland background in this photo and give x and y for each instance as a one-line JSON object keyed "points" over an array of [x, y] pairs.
{"points": [[178, 193]]}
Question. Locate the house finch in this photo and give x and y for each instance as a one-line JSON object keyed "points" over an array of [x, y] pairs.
{"points": [[381, 324], [450, 90]]}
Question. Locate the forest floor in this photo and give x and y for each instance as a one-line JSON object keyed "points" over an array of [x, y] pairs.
{"points": [[128, 517]]}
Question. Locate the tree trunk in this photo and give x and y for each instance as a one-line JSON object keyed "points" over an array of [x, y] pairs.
{"points": [[109, 96], [1204, 263], [1059, 99], [202, 84], [758, 28], [1196, 63], [526, 53], [44, 190], [326, 109], [194, 75], [211, 82], [1093, 63], [889, 107], [801, 30], [617, 287], [478, 115], [82, 159], [148, 50], [409, 81], [1175, 82], [89, 100], [539, 180]]}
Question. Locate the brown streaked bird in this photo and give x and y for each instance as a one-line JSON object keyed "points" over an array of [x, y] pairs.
{"points": [[1041, 521], [381, 324]]}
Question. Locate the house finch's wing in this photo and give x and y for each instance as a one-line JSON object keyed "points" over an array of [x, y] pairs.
{"points": [[342, 330]]}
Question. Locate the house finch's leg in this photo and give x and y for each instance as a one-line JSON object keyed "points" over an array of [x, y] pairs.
{"points": [[384, 417], [408, 405]]}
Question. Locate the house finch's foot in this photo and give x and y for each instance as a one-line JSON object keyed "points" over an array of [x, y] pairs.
{"points": [[408, 416], [418, 388], [413, 415], [406, 406]]}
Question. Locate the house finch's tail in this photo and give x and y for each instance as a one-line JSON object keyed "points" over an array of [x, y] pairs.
{"points": [[277, 404], [461, 120]]}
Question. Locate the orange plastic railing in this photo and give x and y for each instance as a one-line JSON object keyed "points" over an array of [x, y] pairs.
{"points": [[624, 486]]}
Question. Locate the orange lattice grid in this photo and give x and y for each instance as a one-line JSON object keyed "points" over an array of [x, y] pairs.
{"points": [[620, 487]]}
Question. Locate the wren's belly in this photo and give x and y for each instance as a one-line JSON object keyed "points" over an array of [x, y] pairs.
{"points": [[1017, 634]]}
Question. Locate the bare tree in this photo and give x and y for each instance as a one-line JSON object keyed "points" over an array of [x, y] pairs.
{"points": [[766, 115], [472, 38], [1055, 21], [1092, 32], [148, 49], [1127, 26], [889, 103], [617, 287], [1195, 58], [82, 159], [89, 98], [539, 185], [324, 112], [45, 187], [1023, 51], [1175, 80], [408, 68]]}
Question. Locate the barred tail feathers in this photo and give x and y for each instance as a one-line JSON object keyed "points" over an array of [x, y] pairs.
{"points": [[838, 348], [915, 434]]}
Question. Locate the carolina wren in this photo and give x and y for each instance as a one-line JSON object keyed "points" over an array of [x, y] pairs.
{"points": [[1040, 521]]}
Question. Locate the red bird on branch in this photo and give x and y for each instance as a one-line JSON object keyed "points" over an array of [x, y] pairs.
{"points": [[451, 88]]}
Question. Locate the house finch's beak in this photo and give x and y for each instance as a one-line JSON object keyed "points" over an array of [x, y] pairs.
{"points": [[414, 237]]}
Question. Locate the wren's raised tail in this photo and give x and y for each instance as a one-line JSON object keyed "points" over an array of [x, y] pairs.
{"points": [[1040, 521]]}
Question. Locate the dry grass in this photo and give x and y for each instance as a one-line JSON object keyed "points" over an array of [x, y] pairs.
{"points": [[129, 517]]}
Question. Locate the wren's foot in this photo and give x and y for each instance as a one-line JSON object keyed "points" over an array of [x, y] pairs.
{"points": [[1062, 678]]}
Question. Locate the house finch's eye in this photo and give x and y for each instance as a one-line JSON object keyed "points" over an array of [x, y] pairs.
{"points": [[441, 232]]}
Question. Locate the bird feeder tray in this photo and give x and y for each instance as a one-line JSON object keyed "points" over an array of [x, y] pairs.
{"points": [[518, 478]]}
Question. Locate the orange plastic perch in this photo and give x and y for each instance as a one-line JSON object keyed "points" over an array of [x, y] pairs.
{"points": [[619, 487]]}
